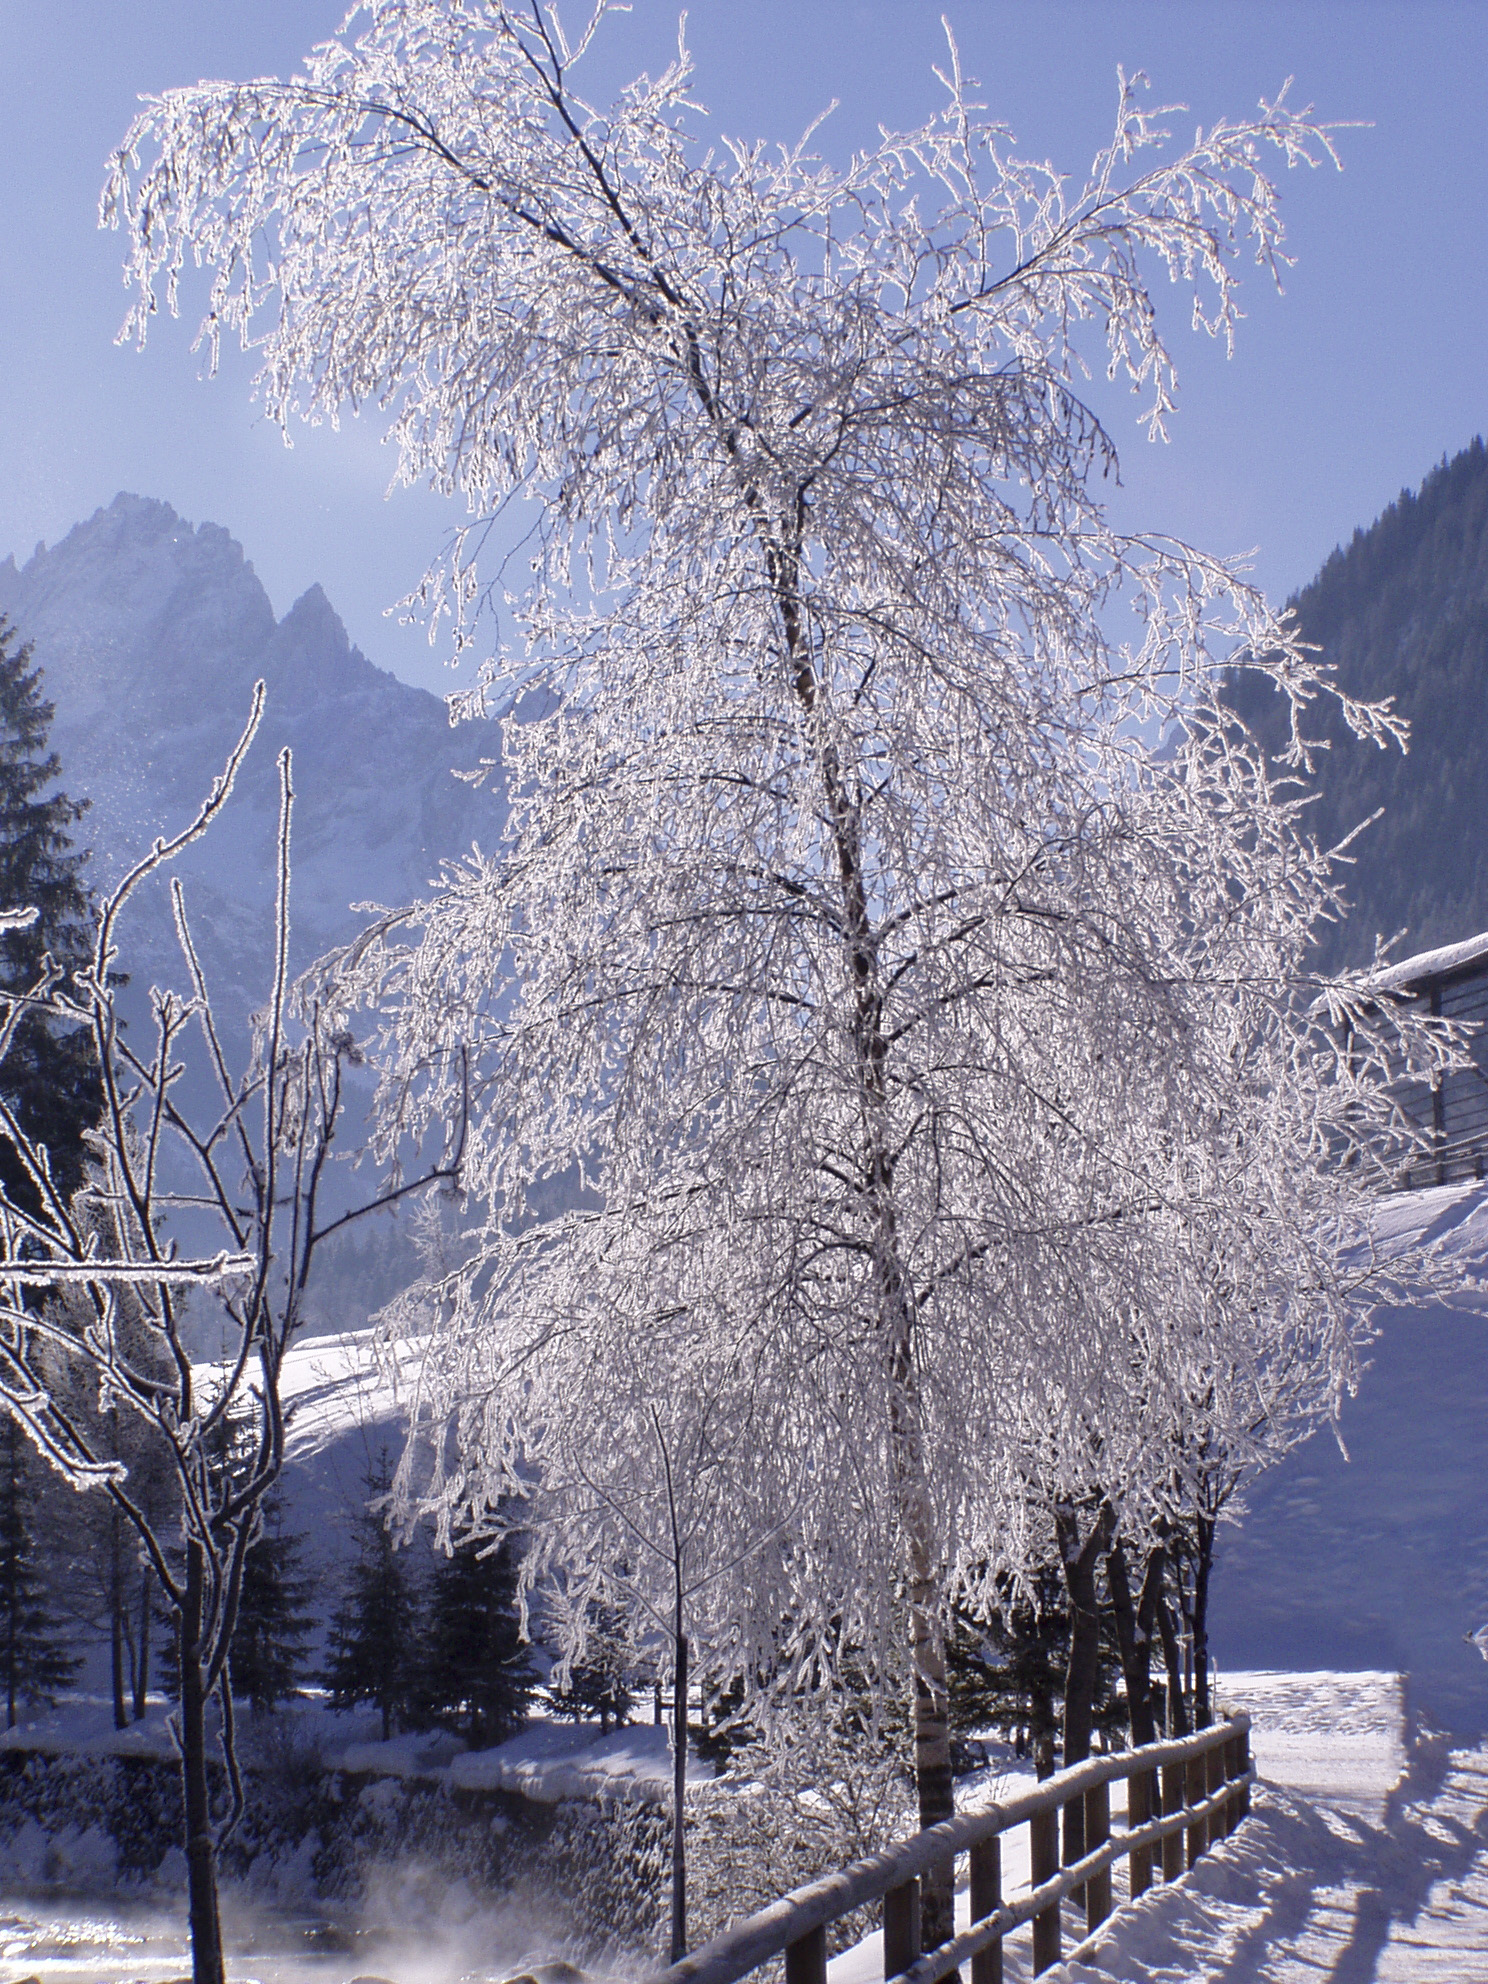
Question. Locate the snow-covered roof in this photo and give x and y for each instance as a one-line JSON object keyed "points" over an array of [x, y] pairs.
{"points": [[1426, 965]]}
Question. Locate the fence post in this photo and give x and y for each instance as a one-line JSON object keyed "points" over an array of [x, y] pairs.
{"points": [[1244, 1767], [1195, 1779], [1141, 1805], [806, 1958], [1097, 1832], [986, 1899], [1074, 1841], [1043, 1843], [1214, 1780], [901, 1928], [1232, 1771], [1172, 1801]]}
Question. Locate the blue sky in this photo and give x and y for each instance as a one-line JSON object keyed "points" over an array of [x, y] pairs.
{"points": [[1372, 366]]}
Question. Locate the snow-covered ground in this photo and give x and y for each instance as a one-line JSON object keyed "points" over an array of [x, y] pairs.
{"points": [[547, 1761], [1366, 1858], [1380, 1559], [1365, 1861]]}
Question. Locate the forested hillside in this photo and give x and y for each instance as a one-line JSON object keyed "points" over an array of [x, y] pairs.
{"points": [[1403, 611]]}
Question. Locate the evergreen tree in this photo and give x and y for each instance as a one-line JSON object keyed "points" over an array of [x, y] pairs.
{"points": [[274, 1619], [477, 1674], [49, 1074], [371, 1648], [602, 1684], [33, 1649], [1008, 1673]]}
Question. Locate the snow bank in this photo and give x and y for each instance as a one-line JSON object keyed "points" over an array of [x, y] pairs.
{"points": [[1379, 1559], [547, 1761]]}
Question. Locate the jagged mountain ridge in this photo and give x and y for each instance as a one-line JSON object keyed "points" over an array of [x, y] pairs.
{"points": [[151, 632]]}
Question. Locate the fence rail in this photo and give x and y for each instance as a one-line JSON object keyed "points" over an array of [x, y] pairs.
{"points": [[1181, 1796]]}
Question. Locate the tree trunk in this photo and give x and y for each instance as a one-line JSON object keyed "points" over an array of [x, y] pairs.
{"points": [[1203, 1710], [932, 1720], [895, 1297], [201, 1859], [679, 1795], [1172, 1653], [118, 1627], [1134, 1641], [13, 1633], [142, 1659], [932, 1732], [1079, 1562]]}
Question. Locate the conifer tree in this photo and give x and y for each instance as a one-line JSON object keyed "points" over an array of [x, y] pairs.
{"points": [[371, 1648], [34, 1656], [274, 1618], [50, 1075], [602, 1682], [1008, 1671], [477, 1674]]}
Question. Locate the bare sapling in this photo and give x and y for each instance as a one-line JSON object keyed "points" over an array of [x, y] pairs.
{"points": [[195, 1229]]}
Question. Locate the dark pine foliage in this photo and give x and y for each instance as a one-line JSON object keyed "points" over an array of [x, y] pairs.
{"points": [[48, 1076], [268, 1658], [34, 1649], [372, 1647], [602, 1684], [1403, 612], [1008, 1673], [477, 1675]]}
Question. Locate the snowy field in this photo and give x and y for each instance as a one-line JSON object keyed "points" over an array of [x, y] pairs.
{"points": [[1380, 1559]]}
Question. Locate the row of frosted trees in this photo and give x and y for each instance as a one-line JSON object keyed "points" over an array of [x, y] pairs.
{"points": [[889, 946]]}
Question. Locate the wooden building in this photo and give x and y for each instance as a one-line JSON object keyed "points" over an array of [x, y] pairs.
{"points": [[1452, 983]]}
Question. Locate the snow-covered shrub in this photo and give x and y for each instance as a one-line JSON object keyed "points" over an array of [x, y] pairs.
{"points": [[809, 1805]]}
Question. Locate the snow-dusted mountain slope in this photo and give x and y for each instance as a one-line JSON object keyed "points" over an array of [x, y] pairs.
{"points": [[1380, 1559], [151, 633]]}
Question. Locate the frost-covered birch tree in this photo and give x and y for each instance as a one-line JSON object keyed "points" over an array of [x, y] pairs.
{"points": [[842, 924]]}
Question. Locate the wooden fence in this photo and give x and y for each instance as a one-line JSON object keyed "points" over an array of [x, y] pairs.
{"points": [[1181, 1796]]}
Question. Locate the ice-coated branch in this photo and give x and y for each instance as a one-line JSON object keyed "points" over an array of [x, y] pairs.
{"points": [[222, 1267]]}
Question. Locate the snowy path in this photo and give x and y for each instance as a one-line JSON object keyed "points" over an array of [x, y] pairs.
{"points": [[1349, 1872]]}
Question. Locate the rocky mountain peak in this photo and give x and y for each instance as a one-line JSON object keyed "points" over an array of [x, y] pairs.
{"points": [[151, 631]]}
